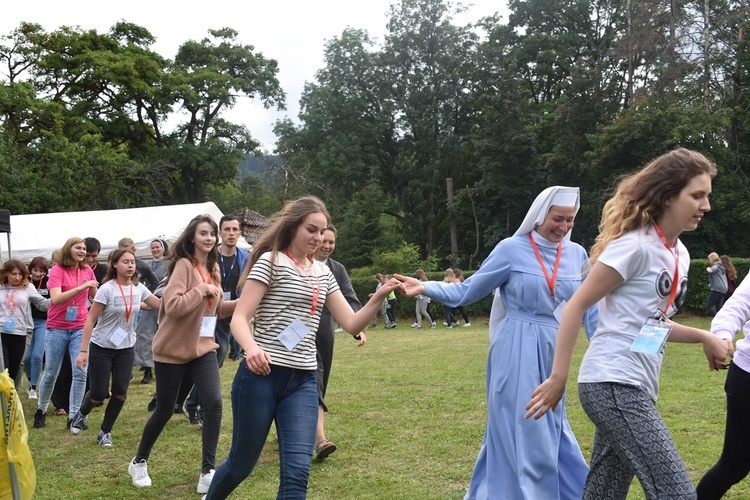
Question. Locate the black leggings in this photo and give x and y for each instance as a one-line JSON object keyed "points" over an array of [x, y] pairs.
{"points": [[205, 373], [14, 347], [734, 463], [714, 302], [461, 310], [104, 362]]}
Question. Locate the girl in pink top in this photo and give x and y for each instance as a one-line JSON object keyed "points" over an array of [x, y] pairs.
{"points": [[71, 282]]}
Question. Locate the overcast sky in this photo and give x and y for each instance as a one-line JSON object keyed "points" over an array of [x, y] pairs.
{"points": [[291, 31]]}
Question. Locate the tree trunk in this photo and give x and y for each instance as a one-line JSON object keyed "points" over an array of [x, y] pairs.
{"points": [[452, 215]]}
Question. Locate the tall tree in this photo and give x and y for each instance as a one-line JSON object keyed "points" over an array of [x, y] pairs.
{"points": [[207, 78]]}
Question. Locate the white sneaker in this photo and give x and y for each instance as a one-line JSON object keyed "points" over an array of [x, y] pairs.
{"points": [[204, 481], [139, 473], [467, 324], [432, 325], [31, 393], [414, 325]]}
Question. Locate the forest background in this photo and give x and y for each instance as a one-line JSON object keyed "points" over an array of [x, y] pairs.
{"points": [[427, 147]]}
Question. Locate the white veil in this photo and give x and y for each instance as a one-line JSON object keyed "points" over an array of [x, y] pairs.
{"points": [[554, 195]]}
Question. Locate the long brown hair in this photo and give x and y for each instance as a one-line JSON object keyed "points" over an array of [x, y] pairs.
{"points": [[284, 225], [641, 197], [113, 258], [184, 247], [729, 266]]}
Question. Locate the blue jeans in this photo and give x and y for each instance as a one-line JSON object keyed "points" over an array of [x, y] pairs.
{"points": [[55, 343], [34, 359], [289, 397]]}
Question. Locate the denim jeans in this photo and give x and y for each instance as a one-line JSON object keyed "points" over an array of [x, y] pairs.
{"points": [[34, 359], [287, 396], [56, 342]]}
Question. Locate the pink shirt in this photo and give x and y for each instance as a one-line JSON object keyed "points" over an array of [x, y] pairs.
{"points": [[66, 279]]}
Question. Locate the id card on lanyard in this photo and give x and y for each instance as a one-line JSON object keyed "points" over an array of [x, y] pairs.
{"points": [[10, 321], [208, 323], [655, 331]]}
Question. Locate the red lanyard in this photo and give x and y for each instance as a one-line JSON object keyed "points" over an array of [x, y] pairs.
{"points": [[676, 253], [550, 281], [40, 283], [128, 310], [11, 299], [206, 279], [315, 289]]}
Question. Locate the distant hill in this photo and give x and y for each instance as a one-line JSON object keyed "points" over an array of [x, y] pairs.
{"points": [[258, 166]]}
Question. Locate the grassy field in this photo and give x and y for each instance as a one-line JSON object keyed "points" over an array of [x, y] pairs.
{"points": [[407, 414]]}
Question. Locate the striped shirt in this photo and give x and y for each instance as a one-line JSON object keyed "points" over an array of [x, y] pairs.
{"points": [[289, 297]]}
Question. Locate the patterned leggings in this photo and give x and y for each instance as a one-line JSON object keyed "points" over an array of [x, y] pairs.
{"points": [[630, 439]]}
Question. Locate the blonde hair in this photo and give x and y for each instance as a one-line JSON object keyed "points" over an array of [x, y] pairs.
{"points": [[641, 197], [450, 276], [713, 258]]}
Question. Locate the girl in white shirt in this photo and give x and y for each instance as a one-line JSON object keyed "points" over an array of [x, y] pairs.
{"points": [[734, 463], [108, 342], [639, 280]]}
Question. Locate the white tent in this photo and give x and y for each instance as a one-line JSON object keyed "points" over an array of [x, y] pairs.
{"points": [[39, 234]]}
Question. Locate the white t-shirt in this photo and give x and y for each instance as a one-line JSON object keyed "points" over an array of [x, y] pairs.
{"points": [[289, 298], [112, 316], [647, 267]]}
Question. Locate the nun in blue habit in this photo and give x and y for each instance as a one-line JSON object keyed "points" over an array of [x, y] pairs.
{"points": [[535, 272]]}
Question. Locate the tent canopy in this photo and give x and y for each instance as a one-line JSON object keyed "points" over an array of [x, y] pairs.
{"points": [[39, 234]]}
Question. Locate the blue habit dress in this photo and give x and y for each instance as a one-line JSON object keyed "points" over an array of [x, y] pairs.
{"points": [[519, 458]]}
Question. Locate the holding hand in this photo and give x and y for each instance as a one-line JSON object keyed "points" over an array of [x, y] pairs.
{"points": [[716, 351], [410, 287]]}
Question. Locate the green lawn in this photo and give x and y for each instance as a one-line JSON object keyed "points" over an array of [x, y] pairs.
{"points": [[407, 414]]}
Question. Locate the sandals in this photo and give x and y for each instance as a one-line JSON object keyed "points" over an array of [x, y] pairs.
{"points": [[323, 449]]}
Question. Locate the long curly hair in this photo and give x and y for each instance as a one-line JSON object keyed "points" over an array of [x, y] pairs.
{"points": [[284, 225], [641, 197]]}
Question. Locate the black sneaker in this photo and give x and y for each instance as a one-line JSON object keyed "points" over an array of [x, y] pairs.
{"points": [[152, 404], [195, 417], [77, 424], [40, 419], [84, 427]]}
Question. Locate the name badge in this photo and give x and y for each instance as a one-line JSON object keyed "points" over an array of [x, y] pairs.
{"points": [[227, 296], [652, 337], [9, 324], [559, 310], [293, 334], [208, 326], [118, 336], [71, 313]]}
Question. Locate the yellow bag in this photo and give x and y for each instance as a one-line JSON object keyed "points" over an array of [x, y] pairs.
{"points": [[14, 445]]}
